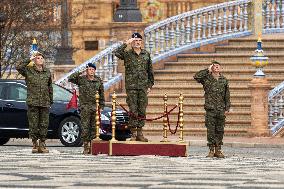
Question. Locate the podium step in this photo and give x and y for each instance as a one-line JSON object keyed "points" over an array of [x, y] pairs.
{"points": [[135, 148]]}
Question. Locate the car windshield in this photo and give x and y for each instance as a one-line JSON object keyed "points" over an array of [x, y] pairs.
{"points": [[61, 94]]}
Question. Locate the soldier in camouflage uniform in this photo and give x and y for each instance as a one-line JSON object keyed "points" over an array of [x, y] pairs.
{"points": [[139, 79], [88, 85], [39, 99], [217, 105]]}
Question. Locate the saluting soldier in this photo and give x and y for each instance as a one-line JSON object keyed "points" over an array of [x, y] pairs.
{"points": [[139, 79], [217, 105], [88, 84], [39, 99]]}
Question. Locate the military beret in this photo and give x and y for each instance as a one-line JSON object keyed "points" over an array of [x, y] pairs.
{"points": [[136, 35], [91, 65], [215, 62]]}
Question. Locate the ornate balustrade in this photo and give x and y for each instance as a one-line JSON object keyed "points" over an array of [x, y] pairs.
{"points": [[199, 27], [106, 64], [273, 16]]}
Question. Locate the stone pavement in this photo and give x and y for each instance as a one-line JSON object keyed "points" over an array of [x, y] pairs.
{"points": [[66, 168], [246, 142]]}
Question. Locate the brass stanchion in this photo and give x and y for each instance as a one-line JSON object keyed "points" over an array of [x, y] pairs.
{"points": [[181, 118], [98, 123], [165, 120], [113, 117]]}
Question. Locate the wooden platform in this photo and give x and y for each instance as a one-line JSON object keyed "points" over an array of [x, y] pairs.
{"points": [[130, 148]]}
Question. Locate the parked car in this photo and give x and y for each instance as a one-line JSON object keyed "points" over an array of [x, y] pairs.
{"points": [[63, 124]]}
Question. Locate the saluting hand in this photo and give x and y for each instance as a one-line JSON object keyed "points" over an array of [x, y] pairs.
{"points": [[148, 90], [210, 68], [129, 41]]}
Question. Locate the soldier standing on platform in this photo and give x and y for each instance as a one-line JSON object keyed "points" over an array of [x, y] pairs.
{"points": [[88, 85], [39, 99], [139, 79], [217, 105]]}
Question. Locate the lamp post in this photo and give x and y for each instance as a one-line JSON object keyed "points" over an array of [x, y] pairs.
{"points": [[128, 12], [259, 60], [64, 52], [3, 18]]}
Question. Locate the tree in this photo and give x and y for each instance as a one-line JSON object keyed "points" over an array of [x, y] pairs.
{"points": [[28, 19]]}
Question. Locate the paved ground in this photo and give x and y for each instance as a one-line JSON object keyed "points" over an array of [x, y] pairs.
{"points": [[68, 168]]}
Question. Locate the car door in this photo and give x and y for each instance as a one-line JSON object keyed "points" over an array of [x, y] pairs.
{"points": [[14, 106], [3, 90]]}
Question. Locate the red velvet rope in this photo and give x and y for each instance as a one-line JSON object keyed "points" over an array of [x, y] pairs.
{"points": [[169, 125], [144, 118]]}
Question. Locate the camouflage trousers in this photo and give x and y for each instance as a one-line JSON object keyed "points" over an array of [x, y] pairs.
{"points": [[88, 122], [137, 102], [215, 123], [38, 118]]}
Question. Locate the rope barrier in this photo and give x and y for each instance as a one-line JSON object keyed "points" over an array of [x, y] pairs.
{"points": [[144, 118], [169, 125]]}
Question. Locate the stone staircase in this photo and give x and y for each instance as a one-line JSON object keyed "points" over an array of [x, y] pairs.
{"points": [[177, 77]]}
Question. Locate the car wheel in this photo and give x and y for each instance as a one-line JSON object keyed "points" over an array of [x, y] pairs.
{"points": [[70, 132], [3, 140]]}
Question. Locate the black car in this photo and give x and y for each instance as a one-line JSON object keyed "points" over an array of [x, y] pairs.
{"points": [[63, 124]]}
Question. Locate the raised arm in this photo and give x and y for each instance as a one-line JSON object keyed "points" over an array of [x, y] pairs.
{"points": [[201, 76], [74, 78], [120, 52], [22, 67]]}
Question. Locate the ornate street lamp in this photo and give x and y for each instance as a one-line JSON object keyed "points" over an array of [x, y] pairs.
{"points": [[259, 61], [128, 12], [3, 19]]}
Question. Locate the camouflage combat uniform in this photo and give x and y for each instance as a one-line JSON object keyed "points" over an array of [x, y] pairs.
{"points": [[138, 78], [39, 99], [87, 99], [217, 101]]}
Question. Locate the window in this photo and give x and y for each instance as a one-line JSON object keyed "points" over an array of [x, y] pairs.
{"points": [[61, 94], [17, 92], [3, 88], [91, 45]]}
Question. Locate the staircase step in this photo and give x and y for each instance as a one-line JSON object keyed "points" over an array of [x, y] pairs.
{"points": [[224, 57], [249, 48], [188, 98], [225, 65]]}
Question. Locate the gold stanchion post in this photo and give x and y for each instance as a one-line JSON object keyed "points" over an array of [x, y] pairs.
{"points": [[165, 120], [98, 123], [181, 118], [113, 117]]}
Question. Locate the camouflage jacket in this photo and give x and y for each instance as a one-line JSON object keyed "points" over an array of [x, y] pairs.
{"points": [[39, 85], [217, 94], [138, 68], [88, 89]]}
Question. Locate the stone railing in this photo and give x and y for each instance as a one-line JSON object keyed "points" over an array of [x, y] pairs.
{"points": [[106, 64], [276, 109], [273, 16], [199, 27]]}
